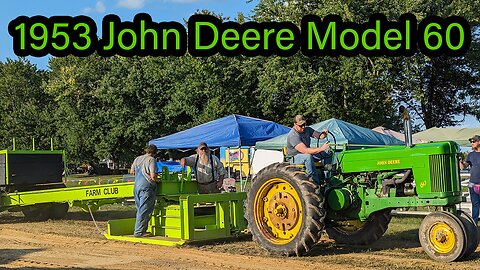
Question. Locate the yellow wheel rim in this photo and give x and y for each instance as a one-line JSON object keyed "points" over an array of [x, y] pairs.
{"points": [[442, 238], [278, 211]]}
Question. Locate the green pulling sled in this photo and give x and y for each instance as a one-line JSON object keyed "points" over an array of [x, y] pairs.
{"points": [[182, 215]]}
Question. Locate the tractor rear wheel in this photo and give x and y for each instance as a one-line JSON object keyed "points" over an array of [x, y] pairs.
{"points": [[471, 233], [361, 232], [443, 236], [285, 210]]}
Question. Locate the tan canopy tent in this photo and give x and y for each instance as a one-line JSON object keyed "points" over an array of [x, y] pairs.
{"points": [[459, 135], [395, 134]]}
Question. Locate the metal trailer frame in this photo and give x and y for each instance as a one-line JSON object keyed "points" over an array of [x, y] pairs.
{"points": [[86, 197]]}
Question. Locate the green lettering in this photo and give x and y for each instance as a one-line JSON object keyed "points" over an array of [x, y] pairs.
{"points": [[376, 32], [433, 33], [312, 30], [198, 38], [388, 38], [134, 39], [407, 35], [21, 27], [111, 37], [177, 38], [143, 32], [290, 37], [225, 38], [342, 39], [448, 36], [246, 38], [266, 33]]}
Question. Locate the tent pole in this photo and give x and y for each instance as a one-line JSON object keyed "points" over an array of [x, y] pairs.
{"points": [[250, 161], [228, 161], [240, 162]]}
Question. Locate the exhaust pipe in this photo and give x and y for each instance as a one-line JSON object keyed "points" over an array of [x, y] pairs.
{"points": [[407, 126]]}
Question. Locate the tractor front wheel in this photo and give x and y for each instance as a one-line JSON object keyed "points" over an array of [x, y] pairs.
{"points": [[443, 236], [285, 210]]}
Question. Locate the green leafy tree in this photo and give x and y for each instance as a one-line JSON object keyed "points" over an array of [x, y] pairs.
{"points": [[134, 93], [323, 88], [74, 82], [205, 88], [367, 90], [26, 109]]}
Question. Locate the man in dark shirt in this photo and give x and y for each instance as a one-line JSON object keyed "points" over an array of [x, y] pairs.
{"points": [[209, 170], [473, 160], [298, 145]]}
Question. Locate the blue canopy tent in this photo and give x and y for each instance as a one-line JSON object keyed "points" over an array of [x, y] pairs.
{"points": [[344, 132], [230, 131]]}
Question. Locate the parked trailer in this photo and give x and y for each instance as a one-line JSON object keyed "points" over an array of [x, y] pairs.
{"points": [[31, 181]]}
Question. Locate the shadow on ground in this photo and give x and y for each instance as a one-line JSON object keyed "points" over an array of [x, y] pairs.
{"points": [[400, 240]]}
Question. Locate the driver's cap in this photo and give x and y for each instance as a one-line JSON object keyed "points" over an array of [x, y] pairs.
{"points": [[299, 120]]}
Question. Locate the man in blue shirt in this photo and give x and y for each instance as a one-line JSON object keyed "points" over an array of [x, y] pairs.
{"points": [[473, 160], [298, 145]]}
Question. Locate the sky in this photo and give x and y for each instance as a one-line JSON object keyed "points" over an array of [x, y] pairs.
{"points": [[159, 10]]}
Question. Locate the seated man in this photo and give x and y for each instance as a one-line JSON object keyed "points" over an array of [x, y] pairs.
{"points": [[298, 145]]}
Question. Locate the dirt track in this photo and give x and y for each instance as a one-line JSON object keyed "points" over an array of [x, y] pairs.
{"points": [[43, 251], [76, 243]]}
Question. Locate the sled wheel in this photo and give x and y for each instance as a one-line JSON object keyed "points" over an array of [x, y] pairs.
{"points": [[443, 236], [285, 210], [58, 210], [361, 232], [471, 233], [37, 212]]}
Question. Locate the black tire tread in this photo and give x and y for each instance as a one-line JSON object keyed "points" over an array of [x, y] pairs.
{"points": [[471, 233], [37, 212], [374, 228], [58, 210], [314, 214]]}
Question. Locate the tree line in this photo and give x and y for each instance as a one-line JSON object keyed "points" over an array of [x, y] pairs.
{"points": [[96, 107]]}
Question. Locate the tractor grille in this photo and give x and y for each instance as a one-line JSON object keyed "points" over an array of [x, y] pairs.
{"points": [[440, 173]]}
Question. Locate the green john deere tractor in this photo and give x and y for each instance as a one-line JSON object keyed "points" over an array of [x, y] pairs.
{"points": [[287, 212]]}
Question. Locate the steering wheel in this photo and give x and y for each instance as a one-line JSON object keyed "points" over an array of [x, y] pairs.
{"points": [[327, 154]]}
